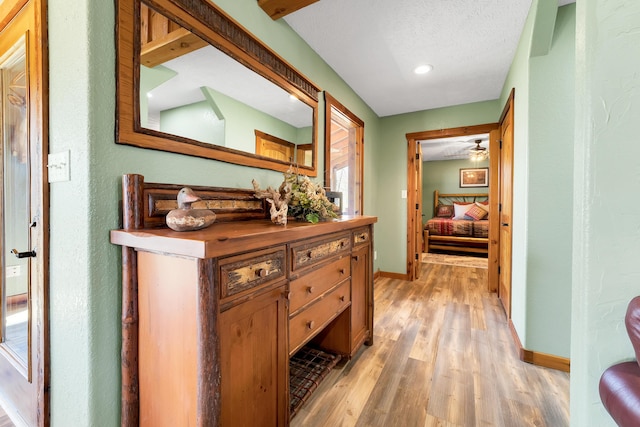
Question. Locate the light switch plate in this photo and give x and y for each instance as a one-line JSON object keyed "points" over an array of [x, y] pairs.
{"points": [[404, 194], [13, 271], [58, 166]]}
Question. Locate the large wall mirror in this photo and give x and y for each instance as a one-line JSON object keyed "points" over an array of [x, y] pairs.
{"points": [[193, 81]]}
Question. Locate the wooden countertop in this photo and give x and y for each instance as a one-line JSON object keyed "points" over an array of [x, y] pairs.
{"points": [[231, 237]]}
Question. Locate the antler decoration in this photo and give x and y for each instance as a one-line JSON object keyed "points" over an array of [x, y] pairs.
{"points": [[277, 199]]}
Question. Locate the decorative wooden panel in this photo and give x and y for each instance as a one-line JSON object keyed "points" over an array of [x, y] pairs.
{"points": [[229, 204], [308, 254], [240, 273]]}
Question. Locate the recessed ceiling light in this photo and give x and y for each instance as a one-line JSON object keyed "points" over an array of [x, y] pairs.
{"points": [[423, 69]]}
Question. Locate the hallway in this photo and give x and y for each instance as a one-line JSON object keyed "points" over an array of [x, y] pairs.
{"points": [[442, 356]]}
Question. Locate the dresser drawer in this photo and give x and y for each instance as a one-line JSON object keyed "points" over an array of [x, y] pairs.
{"points": [[361, 236], [304, 325], [307, 254], [242, 272], [315, 283]]}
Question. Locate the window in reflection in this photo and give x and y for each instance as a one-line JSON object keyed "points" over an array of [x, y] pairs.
{"points": [[345, 152]]}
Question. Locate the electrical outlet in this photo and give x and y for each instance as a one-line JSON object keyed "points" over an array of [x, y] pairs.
{"points": [[58, 166]]}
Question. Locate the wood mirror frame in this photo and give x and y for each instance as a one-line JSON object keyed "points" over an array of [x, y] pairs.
{"points": [[213, 25]]}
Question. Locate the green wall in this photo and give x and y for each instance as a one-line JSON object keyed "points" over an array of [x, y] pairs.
{"points": [[550, 181], [197, 121], [237, 130], [606, 271], [444, 176], [542, 182], [518, 80], [85, 269], [391, 172]]}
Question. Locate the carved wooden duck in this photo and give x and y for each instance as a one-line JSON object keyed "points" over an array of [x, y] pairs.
{"points": [[185, 218]]}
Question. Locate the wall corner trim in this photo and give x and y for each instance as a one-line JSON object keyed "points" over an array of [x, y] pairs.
{"points": [[537, 358]]}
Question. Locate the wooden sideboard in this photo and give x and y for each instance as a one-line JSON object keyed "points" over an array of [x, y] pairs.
{"points": [[211, 317]]}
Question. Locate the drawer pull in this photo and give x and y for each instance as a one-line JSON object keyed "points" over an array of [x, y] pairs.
{"points": [[310, 324], [356, 258], [289, 296], [342, 271], [309, 289], [341, 298], [262, 272], [309, 254]]}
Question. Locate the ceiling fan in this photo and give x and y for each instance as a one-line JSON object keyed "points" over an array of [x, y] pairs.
{"points": [[478, 153], [453, 148]]}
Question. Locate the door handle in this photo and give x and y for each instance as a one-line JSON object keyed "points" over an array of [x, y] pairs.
{"points": [[29, 254], [505, 224]]}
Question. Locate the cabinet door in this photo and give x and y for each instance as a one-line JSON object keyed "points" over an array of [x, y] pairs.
{"points": [[254, 362], [360, 286]]}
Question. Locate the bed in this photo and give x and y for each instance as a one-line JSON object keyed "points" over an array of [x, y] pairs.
{"points": [[459, 224]]}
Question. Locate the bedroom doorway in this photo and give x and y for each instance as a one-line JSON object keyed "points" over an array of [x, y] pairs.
{"points": [[414, 227]]}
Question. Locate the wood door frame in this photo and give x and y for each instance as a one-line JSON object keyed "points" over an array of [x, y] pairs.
{"points": [[412, 139], [508, 109], [34, 12]]}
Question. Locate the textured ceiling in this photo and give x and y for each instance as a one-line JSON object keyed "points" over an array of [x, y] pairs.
{"points": [[374, 45], [453, 148]]}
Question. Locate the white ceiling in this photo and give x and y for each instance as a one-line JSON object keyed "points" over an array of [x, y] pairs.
{"points": [[374, 45]]}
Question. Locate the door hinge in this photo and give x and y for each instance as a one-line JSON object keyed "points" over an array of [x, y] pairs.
{"points": [[417, 156], [499, 207], [417, 206], [498, 269], [501, 144]]}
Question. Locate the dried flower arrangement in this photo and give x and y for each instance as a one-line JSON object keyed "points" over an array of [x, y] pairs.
{"points": [[308, 200], [298, 197]]}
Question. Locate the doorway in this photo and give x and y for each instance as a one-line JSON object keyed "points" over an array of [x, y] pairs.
{"points": [[500, 199], [24, 343], [414, 227]]}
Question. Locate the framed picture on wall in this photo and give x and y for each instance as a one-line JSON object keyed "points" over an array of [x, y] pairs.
{"points": [[474, 177]]}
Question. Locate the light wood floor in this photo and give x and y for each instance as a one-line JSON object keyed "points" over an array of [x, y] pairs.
{"points": [[442, 356]]}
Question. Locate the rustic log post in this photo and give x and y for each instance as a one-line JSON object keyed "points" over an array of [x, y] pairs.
{"points": [[209, 373], [132, 218]]}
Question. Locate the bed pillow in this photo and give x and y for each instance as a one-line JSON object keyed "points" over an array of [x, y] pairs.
{"points": [[460, 209], [444, 211], [476, 213], [483, 205]]}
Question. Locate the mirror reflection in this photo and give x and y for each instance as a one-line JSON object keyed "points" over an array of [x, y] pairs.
{"points": [[14, 288], [191, 89]]}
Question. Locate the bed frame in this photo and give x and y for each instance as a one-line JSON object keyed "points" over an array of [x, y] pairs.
{"points": [[478, 245]]}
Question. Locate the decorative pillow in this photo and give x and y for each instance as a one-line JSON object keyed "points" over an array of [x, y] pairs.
{"points": [[476, 213], [483, 205], [460, 209], [444, 211]]}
